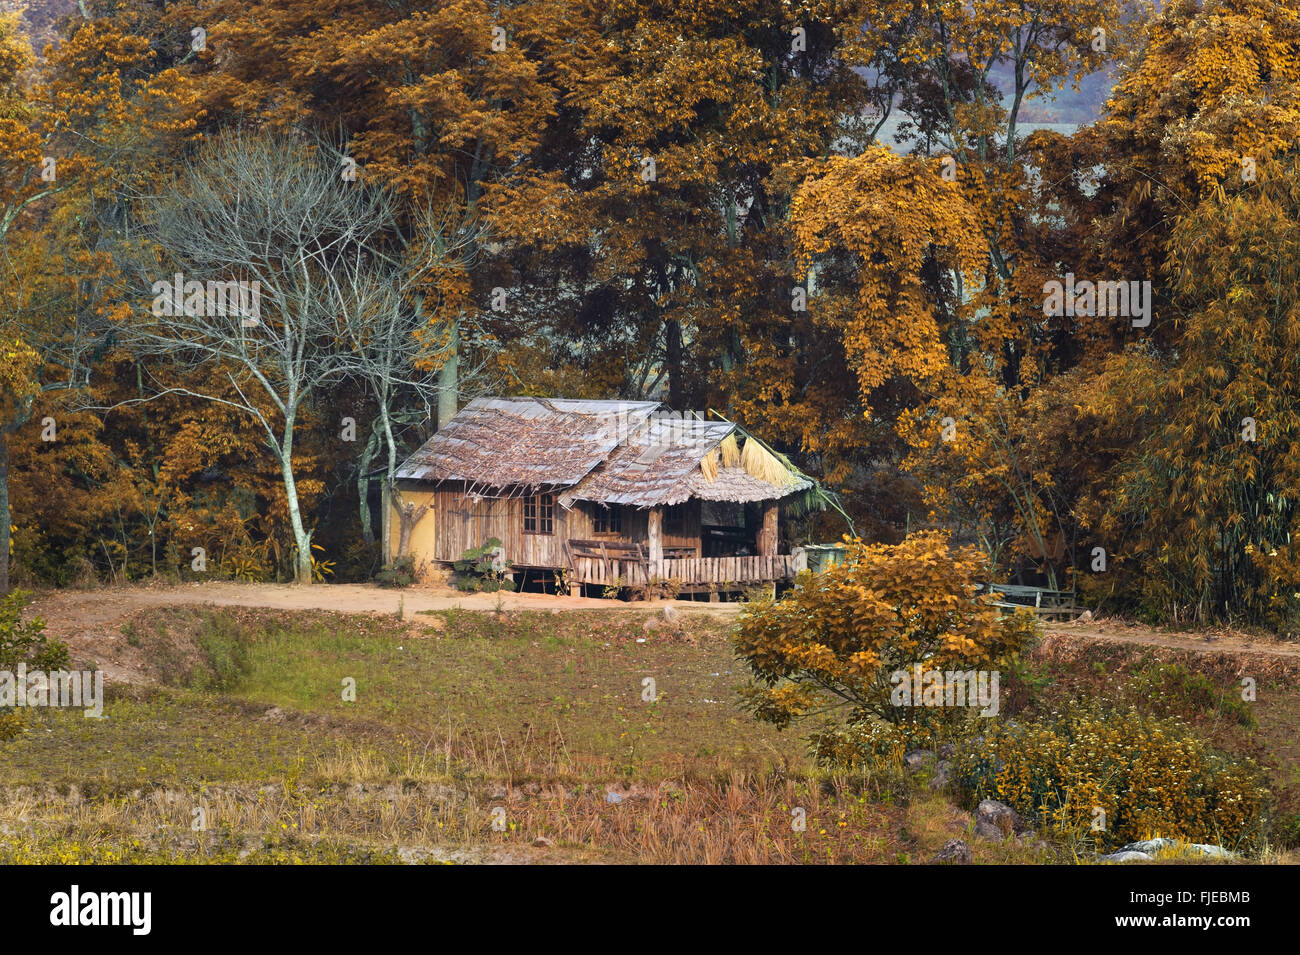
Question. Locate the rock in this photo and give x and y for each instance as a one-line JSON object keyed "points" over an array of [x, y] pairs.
{"points": [[412, 855], [1148, 846], [1085, 617], [1158, 845], [918, 759], [946, 750], [671, 613], [954, 852], [613, 798], [942, 774], [542, 842], [651, 624], [1214, 852], [996, 820], [1123, 856]]}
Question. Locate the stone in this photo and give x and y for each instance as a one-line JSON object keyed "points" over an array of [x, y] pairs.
{"points": [[1149, 846], [954, 852], [1085, 617], [1125, 856], [946, 750], [1158, 845], [942, 775], [671, 613], [1214, 852], [542, 842], [918, 759], [996, 820]]}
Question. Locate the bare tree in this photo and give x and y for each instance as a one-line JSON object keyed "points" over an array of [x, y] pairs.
{"points": [[398, 338], [269, 254]]}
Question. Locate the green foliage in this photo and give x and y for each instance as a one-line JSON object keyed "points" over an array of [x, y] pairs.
{"points": [[400, 573], [1180, 690], [26, 642], [1286, 831], [476, 570], [226, 661]]}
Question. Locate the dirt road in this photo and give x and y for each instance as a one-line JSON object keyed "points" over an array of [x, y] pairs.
{"points": [[90, 622]]}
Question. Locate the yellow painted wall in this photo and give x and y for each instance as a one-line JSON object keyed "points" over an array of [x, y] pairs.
{"points": [[422, 535]]}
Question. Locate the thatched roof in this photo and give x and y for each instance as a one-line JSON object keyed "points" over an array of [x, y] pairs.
{"points": [[611, 452], [525, 442]]}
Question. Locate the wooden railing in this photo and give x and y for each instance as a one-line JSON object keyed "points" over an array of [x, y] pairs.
{"points": [[725, 572]]}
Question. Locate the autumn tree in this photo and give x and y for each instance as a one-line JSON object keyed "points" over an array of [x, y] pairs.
{"points": [[832, 647], [67, 128], [1205, 513]]}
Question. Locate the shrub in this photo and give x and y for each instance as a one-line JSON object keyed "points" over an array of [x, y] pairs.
{"points": [[1185, 692], [1150, 777], [400, 573], [477, 569], [832, 643], [26, 642]]}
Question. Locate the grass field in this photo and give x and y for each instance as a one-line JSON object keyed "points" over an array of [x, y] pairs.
{"points": [[527, 736]]}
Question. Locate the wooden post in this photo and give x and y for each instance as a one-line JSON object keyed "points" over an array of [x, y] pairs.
{"points": [[767, 536], [656, 525]]}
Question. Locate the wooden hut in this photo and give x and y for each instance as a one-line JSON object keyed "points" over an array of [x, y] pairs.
{"points": [[606, 492]]}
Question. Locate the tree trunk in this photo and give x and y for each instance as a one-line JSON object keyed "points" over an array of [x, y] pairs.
{"points": [[368, 454], [4, 513], [408, 515], [673, 347], [449, 382], [301, 536]]}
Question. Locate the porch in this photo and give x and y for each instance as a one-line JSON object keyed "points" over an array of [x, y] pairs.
{"points": [[605, 563]]}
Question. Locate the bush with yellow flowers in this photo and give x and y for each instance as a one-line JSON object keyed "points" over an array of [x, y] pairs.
{"points": [[829, 647], [1109, 777]]}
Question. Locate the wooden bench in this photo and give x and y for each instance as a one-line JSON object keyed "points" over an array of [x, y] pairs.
{"points": [[1041, 600]]}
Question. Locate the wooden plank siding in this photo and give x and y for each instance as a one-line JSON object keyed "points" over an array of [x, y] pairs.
{"points": [[461, 523], [735, 571]]}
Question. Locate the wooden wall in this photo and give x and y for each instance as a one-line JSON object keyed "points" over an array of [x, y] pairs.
{"points": [[462, 523], [456, 523], [636, 525]]}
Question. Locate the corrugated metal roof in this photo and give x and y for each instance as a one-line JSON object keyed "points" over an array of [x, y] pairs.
{"points": [[612, 452]]}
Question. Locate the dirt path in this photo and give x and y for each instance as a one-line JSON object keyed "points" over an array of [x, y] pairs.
{"points": [[91, 622], [1196, 641]]}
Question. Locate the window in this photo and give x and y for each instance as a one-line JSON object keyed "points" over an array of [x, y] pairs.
{"points": [[539, 514], [675, 520], [609, 520]]}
